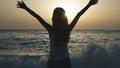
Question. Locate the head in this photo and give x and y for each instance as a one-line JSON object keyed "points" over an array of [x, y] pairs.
{"points": [[59, 17], [60, 25]]}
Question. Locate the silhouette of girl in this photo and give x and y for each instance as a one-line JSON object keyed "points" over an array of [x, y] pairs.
{"points": [[59, 34]]}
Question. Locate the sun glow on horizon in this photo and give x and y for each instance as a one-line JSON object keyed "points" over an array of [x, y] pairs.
{"points": [[96, 17], [70, 9]]}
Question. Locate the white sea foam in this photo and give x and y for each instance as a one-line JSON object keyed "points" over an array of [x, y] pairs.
{"points": [[91, 56], [88, 49]]}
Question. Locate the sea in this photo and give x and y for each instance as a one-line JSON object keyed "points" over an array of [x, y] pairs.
{"points": [[29, 48]]}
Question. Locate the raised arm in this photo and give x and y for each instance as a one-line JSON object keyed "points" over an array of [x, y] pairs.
{"points": [[73, 23], [44, 23]]}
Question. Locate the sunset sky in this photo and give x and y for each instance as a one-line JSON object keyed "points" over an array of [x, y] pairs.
{"points": [[103, 16]]}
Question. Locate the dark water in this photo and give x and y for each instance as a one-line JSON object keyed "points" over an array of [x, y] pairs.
{"points": [[88, 49]]}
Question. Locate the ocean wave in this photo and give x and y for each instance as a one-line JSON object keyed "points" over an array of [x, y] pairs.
{"points": [[88, 49], [91, 56]]}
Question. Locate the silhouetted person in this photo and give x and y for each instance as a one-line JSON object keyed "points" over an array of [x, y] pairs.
{"points": [[59, 34]]}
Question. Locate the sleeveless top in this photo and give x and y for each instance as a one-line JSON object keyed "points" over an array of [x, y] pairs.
{"points": [[57, 53]]}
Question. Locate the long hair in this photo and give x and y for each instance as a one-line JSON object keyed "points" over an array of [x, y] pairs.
{"points": [[60, 27]]}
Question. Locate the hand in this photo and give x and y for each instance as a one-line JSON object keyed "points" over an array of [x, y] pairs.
{"points": [[21, 5], [93, 2]]}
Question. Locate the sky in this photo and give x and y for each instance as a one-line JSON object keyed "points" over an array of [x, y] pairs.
{"points": [[103, 16]]}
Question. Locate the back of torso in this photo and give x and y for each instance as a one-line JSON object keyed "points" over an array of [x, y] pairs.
{"points": [[57, 53]]}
